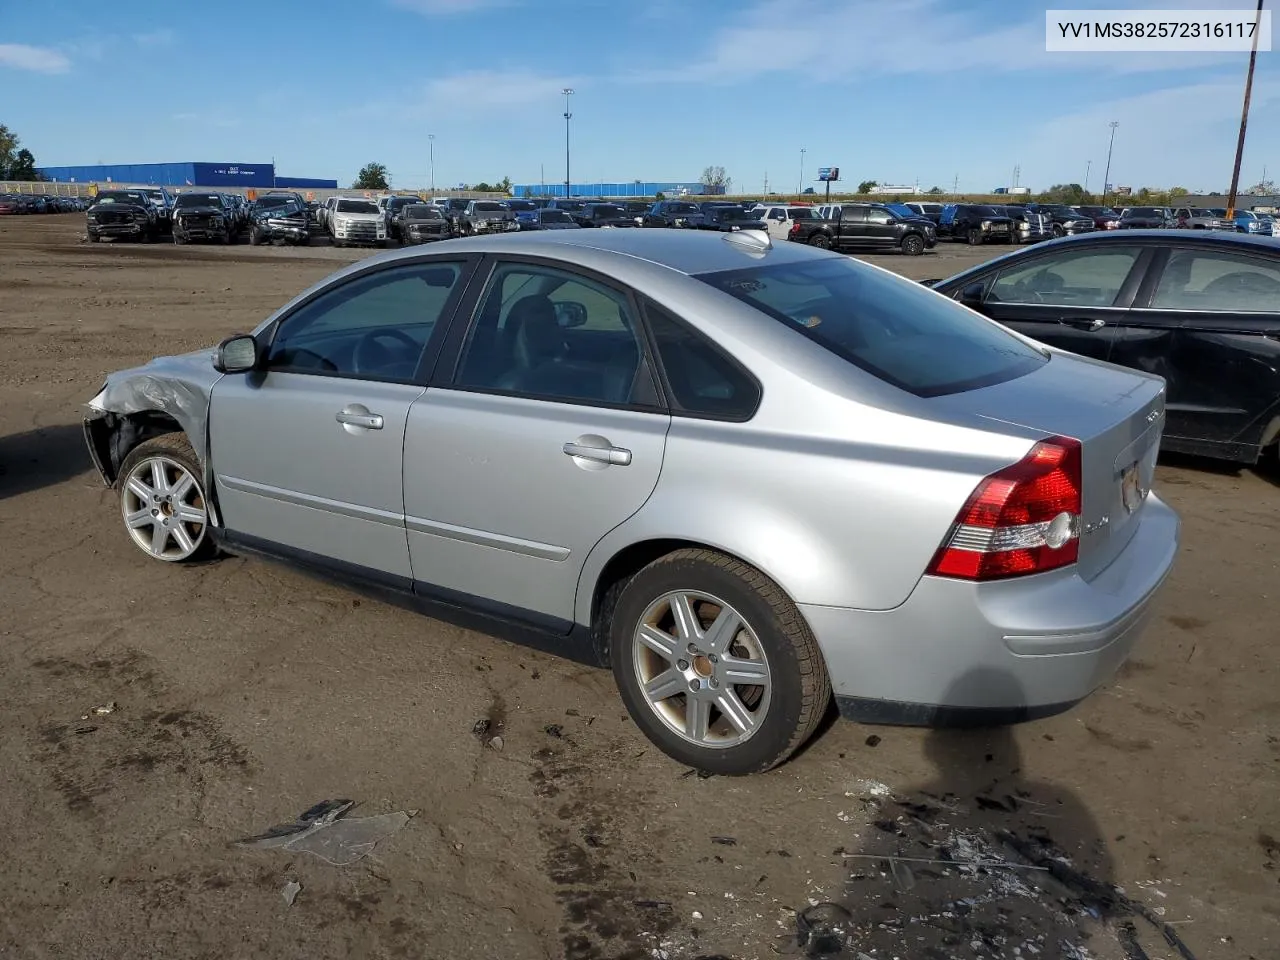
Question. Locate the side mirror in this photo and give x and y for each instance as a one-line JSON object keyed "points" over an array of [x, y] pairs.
{"points": [[971, 296], [570, 313], [236, 354]]}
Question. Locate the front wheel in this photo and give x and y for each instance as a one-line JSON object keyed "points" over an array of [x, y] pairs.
{"points": [[913, 245], [821, 241], [162, 500], [975, 237], [715, 663], [1058, 231]]}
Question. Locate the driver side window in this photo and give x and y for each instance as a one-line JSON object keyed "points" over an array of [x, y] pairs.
{"points": [[1086, 279], [372, 327]]}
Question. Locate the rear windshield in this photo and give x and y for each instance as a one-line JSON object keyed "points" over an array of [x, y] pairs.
{"points": [[357, 206], [897, 330], [608, 211]]}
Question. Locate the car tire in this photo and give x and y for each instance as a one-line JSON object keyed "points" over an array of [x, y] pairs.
{"points": [[974, 236], [254, 237], [769, 640], [162, 500], [913, 245], [93, 237], [1058, 231], [178, 238], [821, 241]]}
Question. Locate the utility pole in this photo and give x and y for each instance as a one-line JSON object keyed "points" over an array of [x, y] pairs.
{"points": [[766, 183], [1087, 167], [800, 189], [1106, 176], [431, 147], [955, 186], [568, 92], [1244, 115]]}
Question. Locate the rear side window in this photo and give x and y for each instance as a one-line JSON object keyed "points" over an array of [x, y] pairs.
{"points": [[702, 380], [1210, 280], [894, 329]]}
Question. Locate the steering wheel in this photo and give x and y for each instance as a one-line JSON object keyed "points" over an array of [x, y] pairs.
{"points": [[1243, 282], [370, 356]]}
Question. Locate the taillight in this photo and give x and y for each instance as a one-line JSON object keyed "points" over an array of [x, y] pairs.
{"points": [[1020, 520]]}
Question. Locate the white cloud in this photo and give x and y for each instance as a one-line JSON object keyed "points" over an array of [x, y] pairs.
{"points": [[493, 88], [446, 8], [155, 38], [19, 56]]}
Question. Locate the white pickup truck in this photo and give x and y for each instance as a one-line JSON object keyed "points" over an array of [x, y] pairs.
{"points": [[354, 220]]}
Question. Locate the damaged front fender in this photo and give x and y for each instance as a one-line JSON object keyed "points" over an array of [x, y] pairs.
{"points": [[144, 401]]}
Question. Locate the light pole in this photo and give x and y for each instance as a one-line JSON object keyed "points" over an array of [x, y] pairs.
{"points": [[800, 189], [568, 92], [431, 146], [1087, 167], [1106, 177], [1244, 114]]}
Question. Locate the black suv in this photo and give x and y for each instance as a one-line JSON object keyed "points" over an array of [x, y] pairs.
{"points": [[977, 223], [673, 213]]}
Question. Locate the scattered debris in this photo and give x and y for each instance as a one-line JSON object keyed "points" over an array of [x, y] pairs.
{"points": [[696, 915], [652, 904], [291, 891], [105, 709], [725, 841], [873, 741], [323, 832], [823, 929], [870, 788], [554, 730]]}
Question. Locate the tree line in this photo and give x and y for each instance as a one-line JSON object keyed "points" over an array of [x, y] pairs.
{"points": [[16, 161]]}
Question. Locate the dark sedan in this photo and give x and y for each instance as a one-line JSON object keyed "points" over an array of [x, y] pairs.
{"points": [[547, 219], [1200, 309]]}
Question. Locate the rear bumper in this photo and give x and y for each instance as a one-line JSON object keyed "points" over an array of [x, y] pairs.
{"points": [[1007, 651]]}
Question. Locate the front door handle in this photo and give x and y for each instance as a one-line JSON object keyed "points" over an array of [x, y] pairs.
{"points": [[1083, 323], [358, 415], [614, 456]]}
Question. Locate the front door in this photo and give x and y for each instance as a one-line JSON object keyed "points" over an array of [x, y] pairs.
{"points": [[1211, 328], [881, 229], [1070, 299], [549, 434], [307, 452]]}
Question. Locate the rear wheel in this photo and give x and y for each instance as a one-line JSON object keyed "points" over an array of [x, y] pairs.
{"points": [[913, 244], [715, 663], [975, 237], [821, 241], [162, 500], [93, 236]]}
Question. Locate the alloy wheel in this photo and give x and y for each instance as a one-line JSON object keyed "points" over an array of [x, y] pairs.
{"points": [[701, 669], [164, 509]]}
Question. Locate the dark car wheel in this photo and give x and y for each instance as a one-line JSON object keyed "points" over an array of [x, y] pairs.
{"points": [[254, 237], [821, 241], [974, 237], [1058, 231], [715, 663], [179, 238], [913, 244], [93, 236]]}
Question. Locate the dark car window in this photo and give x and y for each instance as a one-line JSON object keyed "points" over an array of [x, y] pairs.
{"points": [[373, 327], [1218, 281], [879, 215], [703, 381], [851, 214], [681, 208], [357, 206], [488, 206], [553, 335], [521, 205], [1143, 212], [897, 330], [422, 211], [555, 216], [198, 200], [607, 211], [120, 196], [1083, 278]]}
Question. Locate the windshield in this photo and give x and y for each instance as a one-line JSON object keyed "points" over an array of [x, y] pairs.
{"points": [[457, 203], [398, 203], [636, 206], [737, 213], [556, 216], [422, 211], [1216, 211], [897, 330], [900, 210], [608, 211], [570, 204], [197, 200], [120, 196], [681, 208], [357, 206], [155, 194], [283, 208], [488, 206], [521, 205], [1142, 212], [270, 203]]}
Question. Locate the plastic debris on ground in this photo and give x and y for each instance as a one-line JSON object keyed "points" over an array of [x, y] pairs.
{"points": [[291, 891], [326, 832]]}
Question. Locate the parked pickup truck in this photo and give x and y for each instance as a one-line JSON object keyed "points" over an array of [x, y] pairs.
{"points": [[868, 225], [486, 216], [978, 223], [1200, 218]]}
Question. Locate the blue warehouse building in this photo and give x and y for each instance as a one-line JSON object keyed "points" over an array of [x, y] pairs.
{"points": [[192, 174], [630, 188]]}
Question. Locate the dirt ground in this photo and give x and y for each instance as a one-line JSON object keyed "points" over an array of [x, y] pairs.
{"points": [[245, 692]]}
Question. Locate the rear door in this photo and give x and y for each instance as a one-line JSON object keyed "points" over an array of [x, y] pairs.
{"points": [[307, 452], [545, 431], [1208, 321], [1073, 297]]}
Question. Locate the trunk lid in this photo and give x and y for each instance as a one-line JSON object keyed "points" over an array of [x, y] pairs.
{"points": [[1118, 417]]}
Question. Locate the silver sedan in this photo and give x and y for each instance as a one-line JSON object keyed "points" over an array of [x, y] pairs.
{"points": [[749, 477]]}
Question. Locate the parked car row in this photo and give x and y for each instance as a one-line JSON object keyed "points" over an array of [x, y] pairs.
{"points": [[21, 203]]}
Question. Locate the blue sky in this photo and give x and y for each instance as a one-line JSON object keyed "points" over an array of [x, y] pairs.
{"points": [[892, 90]]}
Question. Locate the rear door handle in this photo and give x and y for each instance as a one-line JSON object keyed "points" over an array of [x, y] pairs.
{"points": [[358, 415], [615, 456], [1083, 323]]}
